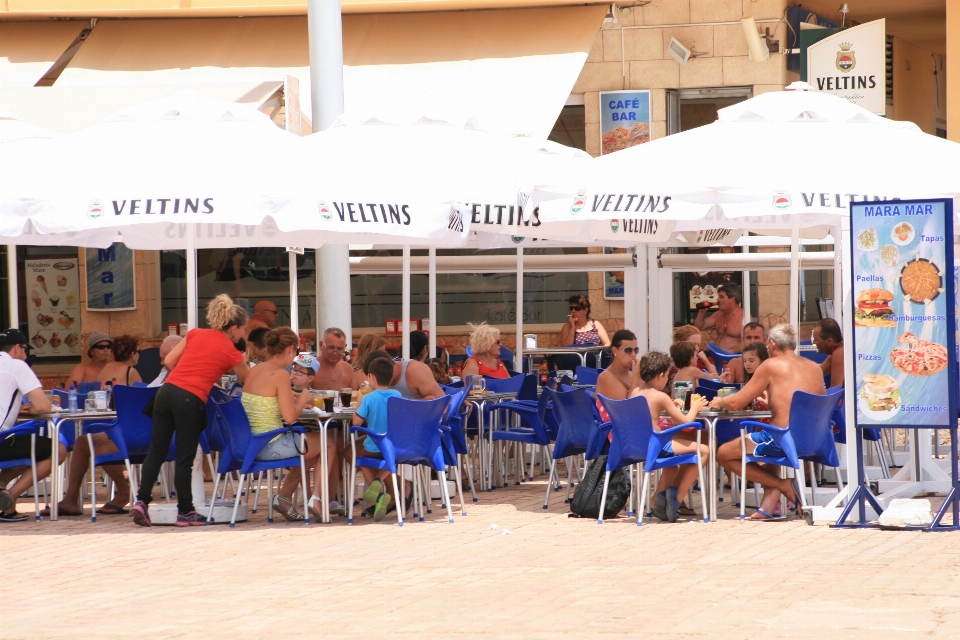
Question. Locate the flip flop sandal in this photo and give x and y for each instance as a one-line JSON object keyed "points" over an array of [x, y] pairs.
{"points": [[764, 517], [684, 510], [372, 493], [64, 512], [289, 514], [13, 516], [106, 510]]}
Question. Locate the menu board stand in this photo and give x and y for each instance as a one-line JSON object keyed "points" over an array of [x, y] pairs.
{"points": [[905, 342]]}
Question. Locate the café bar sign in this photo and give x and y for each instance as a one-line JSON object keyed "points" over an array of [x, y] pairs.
{"points": [[851, 65]]}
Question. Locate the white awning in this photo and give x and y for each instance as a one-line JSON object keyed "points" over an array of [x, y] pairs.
{"points": [[512, 70]]}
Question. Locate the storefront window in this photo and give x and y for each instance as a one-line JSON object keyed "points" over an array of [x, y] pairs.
{"points": [[691, 108], [250, 275], [570, 128]]}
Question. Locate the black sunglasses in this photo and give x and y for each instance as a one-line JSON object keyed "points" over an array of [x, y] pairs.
{"points": [[630, 350], [576, 308], [102, 346]]}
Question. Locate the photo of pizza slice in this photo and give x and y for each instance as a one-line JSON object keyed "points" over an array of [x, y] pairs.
{"points": [[918, 357]]}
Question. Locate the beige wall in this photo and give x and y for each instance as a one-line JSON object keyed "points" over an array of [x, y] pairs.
{"points": [[953, 70], [914, 89], [632, 54]]}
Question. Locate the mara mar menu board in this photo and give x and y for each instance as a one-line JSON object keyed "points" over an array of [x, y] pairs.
{"points": [[904, 324]]}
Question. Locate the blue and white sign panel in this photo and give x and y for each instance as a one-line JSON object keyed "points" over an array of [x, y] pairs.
{"points": [[904, 313], [111, 279]]}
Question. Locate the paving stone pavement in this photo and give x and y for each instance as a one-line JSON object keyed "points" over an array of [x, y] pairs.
{"points": [[551, 576]]}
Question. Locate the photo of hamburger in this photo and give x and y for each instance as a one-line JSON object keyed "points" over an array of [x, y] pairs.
{"points": [[879, 397], [873, 309]]}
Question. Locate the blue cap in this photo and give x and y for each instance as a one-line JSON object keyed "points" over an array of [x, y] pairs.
{"points": [[308, 361]]}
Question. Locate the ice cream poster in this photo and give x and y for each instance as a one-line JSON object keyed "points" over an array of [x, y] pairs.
{"points": [[53, 306], [904, 313], [111, 279]]}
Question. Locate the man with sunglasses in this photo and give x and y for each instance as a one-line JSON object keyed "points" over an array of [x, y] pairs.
{"points": [[17, 381], [265, 315], [335, 372], [99, 354]]}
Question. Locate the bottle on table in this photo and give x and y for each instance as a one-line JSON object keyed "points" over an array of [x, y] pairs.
{"points": [[72, 400]]}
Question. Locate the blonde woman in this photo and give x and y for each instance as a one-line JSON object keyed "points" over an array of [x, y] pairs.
{"points": [[369, 343], [485, 344], [195, 365]]}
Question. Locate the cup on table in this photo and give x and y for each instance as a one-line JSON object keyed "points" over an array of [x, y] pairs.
{"points": [[346, 397], [53, 398], [328, 397], [90, 404]]}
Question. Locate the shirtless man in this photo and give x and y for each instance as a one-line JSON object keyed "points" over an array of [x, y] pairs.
{"points": [[752, 332], [829, 340], [99, 354], [335, 372], [782, 374], [727, 320], [418, 382]]}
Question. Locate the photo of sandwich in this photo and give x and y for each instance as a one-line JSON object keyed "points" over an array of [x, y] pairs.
{"points": [[873, 308], [879, 397]]}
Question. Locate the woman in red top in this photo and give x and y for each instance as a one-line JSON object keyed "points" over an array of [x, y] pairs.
{"points": [[195, 365], [485, 361]]}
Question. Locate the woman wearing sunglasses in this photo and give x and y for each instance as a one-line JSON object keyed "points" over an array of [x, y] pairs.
{"points": [[580, 330]]}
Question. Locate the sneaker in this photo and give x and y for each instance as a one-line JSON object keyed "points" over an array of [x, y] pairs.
{"points": [[660, 506], [192, 519], [373, 491], [141, 514], [337, 509], [673, 504], [380, 512], [13, 516]]}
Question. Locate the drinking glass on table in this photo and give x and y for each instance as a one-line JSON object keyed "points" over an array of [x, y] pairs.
{"points": [[328, 401], [346, 397], [90, 404]]}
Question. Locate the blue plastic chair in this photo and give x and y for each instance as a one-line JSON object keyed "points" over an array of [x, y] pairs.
{"points": [[131, 433], [241, 448], [811, 440], [68, 428], [587, 375], [716, 385], [577, 429], [87, 387], [635, 440], [533, 430], [816, 356], [149, 365], [454, 442], [839, 420], [413, 438], [32, 428], [721, 358]]}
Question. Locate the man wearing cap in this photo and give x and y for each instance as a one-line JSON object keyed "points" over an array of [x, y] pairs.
{"points": [[264, 315], [16, 381], [99, 353]]}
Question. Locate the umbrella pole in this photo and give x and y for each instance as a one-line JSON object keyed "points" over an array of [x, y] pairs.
{"points": [[795, 275], [838, 251], [12, 294], [294, 294], [192, 276], [518, 357], [432, 302], [406, 303]]}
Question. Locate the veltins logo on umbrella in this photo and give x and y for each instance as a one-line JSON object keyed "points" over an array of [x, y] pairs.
{"points": [[615, 225], [846, 60], [95, 209], [782, 201], [579, 202], [324, 210]]}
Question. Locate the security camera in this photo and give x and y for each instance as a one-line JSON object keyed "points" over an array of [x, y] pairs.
{"points": [[758, 51], [679, 52]]}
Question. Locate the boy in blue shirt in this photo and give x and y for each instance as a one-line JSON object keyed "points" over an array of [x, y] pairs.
{"points": [[373, 410]]}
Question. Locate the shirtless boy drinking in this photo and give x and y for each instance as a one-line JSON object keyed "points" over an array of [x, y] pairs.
{"points": [[727, 320]]}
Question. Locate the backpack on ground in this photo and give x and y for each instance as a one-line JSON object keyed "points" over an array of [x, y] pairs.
{"points": [[586, 499]]}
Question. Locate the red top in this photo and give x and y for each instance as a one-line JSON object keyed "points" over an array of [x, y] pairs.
{"points": [[208, 355], [499, 372]]}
